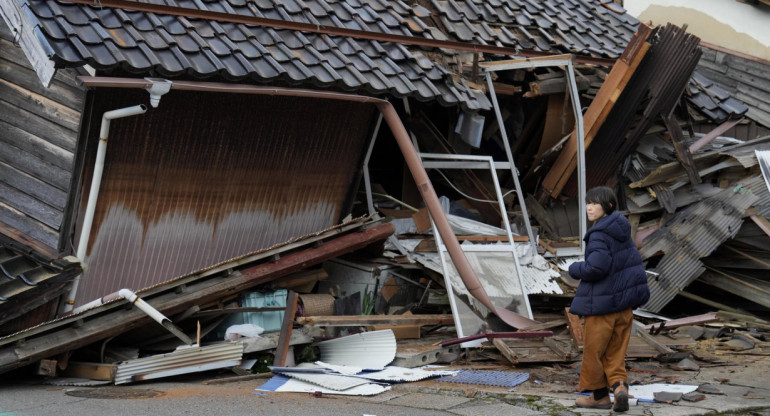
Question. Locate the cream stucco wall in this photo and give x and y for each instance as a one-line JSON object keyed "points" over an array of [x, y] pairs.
{"points": [[728, 23]]}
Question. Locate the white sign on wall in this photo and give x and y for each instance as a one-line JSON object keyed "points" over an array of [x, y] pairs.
{"points": [[25, 35]]}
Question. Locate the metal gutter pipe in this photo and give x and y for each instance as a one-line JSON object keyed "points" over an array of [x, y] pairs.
{"points": [[145, 307], [93, 195], [464, 269]]}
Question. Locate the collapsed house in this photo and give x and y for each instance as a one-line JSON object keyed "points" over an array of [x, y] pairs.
{"points": [[263, 141]]}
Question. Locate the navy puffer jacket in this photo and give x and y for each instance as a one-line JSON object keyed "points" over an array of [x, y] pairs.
{"points": [[612, 277]]}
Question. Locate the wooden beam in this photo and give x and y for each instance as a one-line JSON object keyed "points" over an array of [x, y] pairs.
{"points": [[557, 347], [634, 220], [559, 119], [543, 217], [365, 320], [575, 328], [738, 287], [598, 111], [680, 147], [642, 333], [690, 320], [506, 351], [288, 321]]}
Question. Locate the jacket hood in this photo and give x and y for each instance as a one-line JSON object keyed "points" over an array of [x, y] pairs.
{"points": [[614, 225]]}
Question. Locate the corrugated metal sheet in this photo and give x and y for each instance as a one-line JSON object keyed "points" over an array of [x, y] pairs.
{"points": [[368, 350], [690, 235], [401, 374], [487, 378], [329, 381], [207, 177], [285, 384], [182, 361], [745, 153]]}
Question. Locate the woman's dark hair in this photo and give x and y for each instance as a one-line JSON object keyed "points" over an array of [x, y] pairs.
{"points": [[603, 196]]}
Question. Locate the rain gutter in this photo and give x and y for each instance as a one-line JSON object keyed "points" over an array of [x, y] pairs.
{"points": [[413, 162]]}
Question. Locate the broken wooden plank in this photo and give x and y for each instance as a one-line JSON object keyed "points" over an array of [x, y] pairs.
{"points": [[365, 320], [558, 348], [690, 320], [647, 337], [282, 350], [598, 111], [575, 328], [680, 147], [506, 351]]}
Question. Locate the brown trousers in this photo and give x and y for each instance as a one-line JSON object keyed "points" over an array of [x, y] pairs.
{"points": [[605, 342]]}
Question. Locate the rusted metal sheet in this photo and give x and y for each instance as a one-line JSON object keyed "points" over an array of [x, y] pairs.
{"points": [[206, 177]]}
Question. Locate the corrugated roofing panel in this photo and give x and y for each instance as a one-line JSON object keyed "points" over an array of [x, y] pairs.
{"points": [[182, 361], [690, 235], [281, 383], [368, 350], [329, 381], [400, 374]]}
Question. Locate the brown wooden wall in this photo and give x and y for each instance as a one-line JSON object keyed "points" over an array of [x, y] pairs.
{"points": [[206, 177], [38, 135]]}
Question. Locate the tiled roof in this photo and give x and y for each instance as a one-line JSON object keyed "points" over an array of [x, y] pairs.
{"points": [[587, 27], [22, 276], [712, 100], [170, 46]]}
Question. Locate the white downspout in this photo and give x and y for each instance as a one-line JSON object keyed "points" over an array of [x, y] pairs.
{"points": [[93, 195], [145, 307]]}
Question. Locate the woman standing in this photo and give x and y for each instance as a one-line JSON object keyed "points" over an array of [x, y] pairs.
{"points": [[612, 283]]}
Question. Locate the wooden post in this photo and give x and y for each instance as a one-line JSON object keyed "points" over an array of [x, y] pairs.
{"points": [[288, 320], [575, 328], [682, 151]]}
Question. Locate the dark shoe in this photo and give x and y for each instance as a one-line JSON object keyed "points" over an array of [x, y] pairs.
{"points": [[589, 402], [620, 390]]}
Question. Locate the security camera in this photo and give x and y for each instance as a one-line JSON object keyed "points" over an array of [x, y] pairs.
{"points": [[158, 87]]}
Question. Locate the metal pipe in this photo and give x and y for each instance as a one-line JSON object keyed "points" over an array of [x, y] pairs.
{"points": [[93, 195], [145, 307], [367, 180], [581, 151], [469, 277], [514, 171], [464, 269]]}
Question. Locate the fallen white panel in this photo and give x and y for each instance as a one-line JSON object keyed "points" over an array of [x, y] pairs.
{"points": [[647, 392], [367, 350], [182, 361], [393, 373], [347, 370], [329, 381], [285, 384]]}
